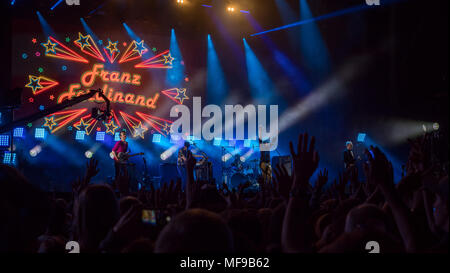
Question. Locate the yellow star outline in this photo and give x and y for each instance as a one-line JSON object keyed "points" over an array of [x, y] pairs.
{"points": [[139, 47], [34, 83], [139, 130], [112, 47], [49, 47], [84, 125], [181, 95], [83, 40], [111, 127], [168, 59], [50, 122], [167, 128]]}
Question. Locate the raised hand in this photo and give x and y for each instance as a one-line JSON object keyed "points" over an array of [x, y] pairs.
{"points": [[322, 179], [78, 185], [282, 181], [305, 161], [380, 169], [91, 168]]}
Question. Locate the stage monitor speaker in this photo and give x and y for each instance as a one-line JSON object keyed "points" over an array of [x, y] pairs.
{"points": [[286, 161]]}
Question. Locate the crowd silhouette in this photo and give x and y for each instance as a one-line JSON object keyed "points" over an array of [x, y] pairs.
{"points": [[290, 214]]}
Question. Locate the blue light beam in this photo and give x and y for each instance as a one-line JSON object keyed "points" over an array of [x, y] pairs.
{"points": [[175, 75], [216, 82]]}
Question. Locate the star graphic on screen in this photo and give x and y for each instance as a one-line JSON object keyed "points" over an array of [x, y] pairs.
{"points": [[34, 40], [166, 128], [31, 100], [168, 59], [49, 47], [50, 122], [83, 126], [140, 48], [181, 95], [52, 97], [111, 127], [139, 130], [82, 40], [112, 47], [34, 83]]}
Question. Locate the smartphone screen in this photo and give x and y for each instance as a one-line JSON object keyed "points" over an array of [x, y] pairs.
{"points": [[148, 217]]}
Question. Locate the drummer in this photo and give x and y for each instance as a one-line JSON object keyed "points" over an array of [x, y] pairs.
{"points": [[237, 163]]}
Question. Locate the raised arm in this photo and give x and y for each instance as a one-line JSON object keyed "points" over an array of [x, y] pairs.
{"points": [[381, 172], [294, 237]]}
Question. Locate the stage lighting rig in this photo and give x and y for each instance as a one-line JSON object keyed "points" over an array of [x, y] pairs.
{"points": [[180, 2]]}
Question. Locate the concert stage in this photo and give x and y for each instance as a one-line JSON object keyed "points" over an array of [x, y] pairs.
{"points": [[141, 88]]}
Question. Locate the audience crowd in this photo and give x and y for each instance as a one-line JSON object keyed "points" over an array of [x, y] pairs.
{"points": [[290, 214]]}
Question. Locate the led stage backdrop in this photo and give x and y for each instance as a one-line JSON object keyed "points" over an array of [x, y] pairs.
{"points": [[132, 73]]}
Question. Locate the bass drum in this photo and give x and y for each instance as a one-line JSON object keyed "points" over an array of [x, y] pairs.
{"points": [[238, 179]]}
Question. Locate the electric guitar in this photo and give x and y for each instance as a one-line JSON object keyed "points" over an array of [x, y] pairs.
{"points": [[123, 157]]}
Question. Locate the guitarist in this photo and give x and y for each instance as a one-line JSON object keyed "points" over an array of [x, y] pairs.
{"points": [[120, 147], [264, 161]]}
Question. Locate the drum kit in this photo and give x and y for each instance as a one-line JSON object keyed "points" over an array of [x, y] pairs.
{"points": [[240, 172]]}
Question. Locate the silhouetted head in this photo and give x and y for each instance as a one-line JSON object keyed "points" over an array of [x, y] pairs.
{"points": [[97, 213], [366, 216], [125, 203], [195, 231]]}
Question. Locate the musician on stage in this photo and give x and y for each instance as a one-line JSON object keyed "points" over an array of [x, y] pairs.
{"points": [[183, 155], [264, 162], [121, 146], [349, 157]]}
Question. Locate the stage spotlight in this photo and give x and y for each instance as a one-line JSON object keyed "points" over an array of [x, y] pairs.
{"points": [[217, 141], [231, 9], [80, 135], [4, 140], [181, 2], [247, 155], [100, 136], [9, 158], [39, 133], [18, 132], [436, 126], [247, 143], [361, 137], [231, 143], [35, 151], [226, 157], [424, 127], [169, 152], [117, 136], [156, 138], [88, 154]]}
